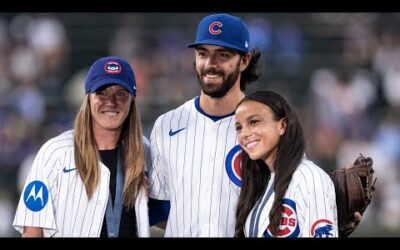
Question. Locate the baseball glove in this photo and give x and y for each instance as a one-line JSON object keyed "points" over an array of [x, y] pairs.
{"points": [[354, 186]]}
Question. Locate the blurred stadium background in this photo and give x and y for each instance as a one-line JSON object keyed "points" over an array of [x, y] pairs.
{"points": [[341, 70]]}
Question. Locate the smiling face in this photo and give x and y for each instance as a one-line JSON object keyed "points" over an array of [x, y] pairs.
{"points": [[218, 69], [109, 107], [258, 130]]}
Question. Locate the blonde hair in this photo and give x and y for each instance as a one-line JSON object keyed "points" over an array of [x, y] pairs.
{"points": [[87, 156]]}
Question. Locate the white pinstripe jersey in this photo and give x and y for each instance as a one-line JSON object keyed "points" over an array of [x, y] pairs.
{"points": [[309, 206], [54, 197], [195, 166]]}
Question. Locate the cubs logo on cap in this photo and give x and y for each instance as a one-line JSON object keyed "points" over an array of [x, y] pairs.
{"points": [[110, 70], [222, 30], [214, 28]]}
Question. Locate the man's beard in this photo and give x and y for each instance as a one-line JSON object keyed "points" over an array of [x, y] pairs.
{"points": [[218, 90]]}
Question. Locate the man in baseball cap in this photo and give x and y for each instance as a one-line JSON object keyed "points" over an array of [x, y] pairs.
{"points": [[203, 131]]}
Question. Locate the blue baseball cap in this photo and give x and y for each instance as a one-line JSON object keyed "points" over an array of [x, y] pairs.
{"points": [[110, 70], [222, 30]]}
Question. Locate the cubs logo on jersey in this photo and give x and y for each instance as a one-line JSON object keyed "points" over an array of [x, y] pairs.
{"points": [[233, 165], [36, 196], [322, 228], [289, 227]]}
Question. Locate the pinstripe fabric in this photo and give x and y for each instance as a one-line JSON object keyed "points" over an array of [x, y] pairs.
{"points": [[189, 170], [68, 212], [313, 194]]}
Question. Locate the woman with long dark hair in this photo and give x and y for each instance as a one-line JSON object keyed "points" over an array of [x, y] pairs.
{"points": [[283, 194]]}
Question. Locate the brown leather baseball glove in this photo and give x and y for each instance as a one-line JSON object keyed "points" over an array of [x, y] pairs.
{"points": [[354, 186]]}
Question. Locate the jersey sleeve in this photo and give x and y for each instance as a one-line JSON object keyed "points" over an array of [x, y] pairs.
{"points": [[158, 211], [317, 213], [35, 207], [157, 173]]}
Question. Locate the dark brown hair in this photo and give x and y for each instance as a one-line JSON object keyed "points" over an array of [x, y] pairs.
{"points": [[255, 173], [251, 73]]}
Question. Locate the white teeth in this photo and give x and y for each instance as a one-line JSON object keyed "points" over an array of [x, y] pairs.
{"points": [[252, 144], [110, 113], [212, 76]]}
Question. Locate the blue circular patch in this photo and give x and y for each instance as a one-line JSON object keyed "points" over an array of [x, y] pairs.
{"points": [[233, 165], [36, 196], [289, 226]]}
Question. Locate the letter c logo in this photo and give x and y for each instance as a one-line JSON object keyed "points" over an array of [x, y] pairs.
{"points": [[213, 30]]}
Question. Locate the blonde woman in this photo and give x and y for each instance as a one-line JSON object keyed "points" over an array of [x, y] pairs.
{"points": [[89, 181]]}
